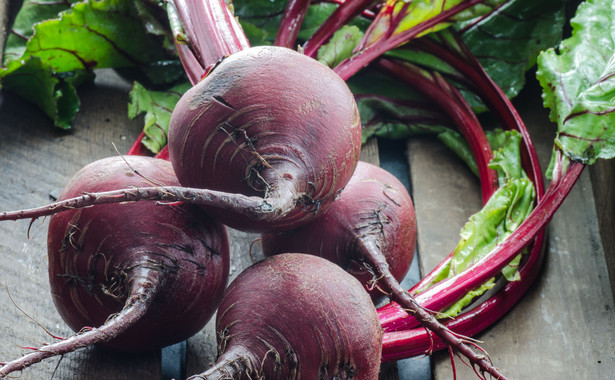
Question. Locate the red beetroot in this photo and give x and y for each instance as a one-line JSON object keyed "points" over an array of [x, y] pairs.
{"points": [[375, 222], [131, 277], [372, 221], [272, 123], [296, 316]]}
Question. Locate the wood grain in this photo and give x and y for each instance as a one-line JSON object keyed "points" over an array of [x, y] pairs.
{"points": [[602, 176]]}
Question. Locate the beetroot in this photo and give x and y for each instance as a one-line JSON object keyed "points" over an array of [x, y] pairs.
{"points": [[272, 123], [265, 142], [372, 221], [131, 277], [296, 316]]}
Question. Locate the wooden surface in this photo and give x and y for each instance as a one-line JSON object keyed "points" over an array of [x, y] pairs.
{"points": [[37, 159], [602, 176]]}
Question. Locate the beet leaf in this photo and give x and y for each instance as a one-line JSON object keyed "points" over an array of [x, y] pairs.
{"points": [[507, 208], [157, 107], [578, 84], [508, 40], [52, 44]]}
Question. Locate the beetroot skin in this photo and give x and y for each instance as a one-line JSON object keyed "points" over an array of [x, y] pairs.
{"points": [[374, 215], [296, 316], [268, 122], [98, 255]]}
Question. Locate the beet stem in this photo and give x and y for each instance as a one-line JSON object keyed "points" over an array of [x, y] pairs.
{"points": [[212, 31], [417, 341], [341, 16], [204, 32], [436, 298], [365, 54], [291, 23], [145, 284], [372, 254], [475, 76], [452, 102]]}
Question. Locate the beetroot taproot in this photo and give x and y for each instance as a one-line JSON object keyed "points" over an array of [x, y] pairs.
{"points": [[267, 122], [372, 223], [296, 316], [131, 277]]}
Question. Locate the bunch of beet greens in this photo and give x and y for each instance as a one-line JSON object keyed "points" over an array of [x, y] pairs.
{"points": [[233, 154]]}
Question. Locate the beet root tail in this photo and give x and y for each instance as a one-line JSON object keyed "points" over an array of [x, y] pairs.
{"points": [[143, 292]]}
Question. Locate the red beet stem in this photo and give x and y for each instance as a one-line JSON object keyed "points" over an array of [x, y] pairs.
{"points": [[212, 33], [341, 16], [376, 260], [366, 54], [291, 23], [476, 77], [418, 341], [444, 293], [449, 99]]}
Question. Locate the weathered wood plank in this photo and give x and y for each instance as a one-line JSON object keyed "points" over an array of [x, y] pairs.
{"points": [[563, 326], [602, 176]]}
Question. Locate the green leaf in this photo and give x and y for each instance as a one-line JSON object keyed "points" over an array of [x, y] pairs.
{"points": [[507, 208], [400, 16], [157, 107], [340, 46], [456, 308], [508, 41], [260, 19], [506, 146], [31, 13], [94, 34], [255, 35], [578, 81], [55, 45], [391, 118], [423, 59], [502, 214], [36, 82], [152, 15], [389, 109], [459, 145]]}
